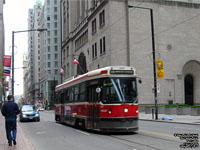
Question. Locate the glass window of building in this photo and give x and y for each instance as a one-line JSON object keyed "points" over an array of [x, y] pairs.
{"points": [[48, 25], [55, 2], [55, 40], [49, 48], [104, 44], [49, 64], [48, 2], [48, 33], [48, 10], [55, 9], [55, 17], [67, 51], [55, 32], [94, 28], [101, 19], [56, 48], [101, 45], [49, 56], [56, 64], [56, 56], [49, 41], [55, 25]]}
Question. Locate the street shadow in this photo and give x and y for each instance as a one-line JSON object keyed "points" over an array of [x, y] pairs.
{"points": [[99, 132]]}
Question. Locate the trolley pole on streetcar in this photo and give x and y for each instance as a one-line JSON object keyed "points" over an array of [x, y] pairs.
{"points": [[154, 58]]}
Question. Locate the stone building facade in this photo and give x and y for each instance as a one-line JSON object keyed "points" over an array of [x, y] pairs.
{"points": [[102, 33]]}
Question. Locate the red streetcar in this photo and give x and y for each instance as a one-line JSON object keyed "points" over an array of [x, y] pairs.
{"points": [[104, 99]]}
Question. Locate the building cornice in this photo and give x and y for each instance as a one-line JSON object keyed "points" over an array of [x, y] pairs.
{"points": [[181, 3], [84, 24]]}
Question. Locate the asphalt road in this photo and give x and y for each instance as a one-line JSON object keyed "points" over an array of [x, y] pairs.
{"points": [[49, 135]]}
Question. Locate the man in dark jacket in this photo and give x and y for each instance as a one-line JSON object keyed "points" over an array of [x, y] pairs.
{"points": [[10, 111]]}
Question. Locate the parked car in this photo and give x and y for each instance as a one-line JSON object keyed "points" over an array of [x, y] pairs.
{"points": [[28, 113]]}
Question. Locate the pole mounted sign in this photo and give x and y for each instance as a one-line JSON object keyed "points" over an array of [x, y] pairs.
{"points": [[160, 69]]}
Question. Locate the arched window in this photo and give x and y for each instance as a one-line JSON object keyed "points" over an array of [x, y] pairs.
{"points": [[189, 89], [83, 67]]}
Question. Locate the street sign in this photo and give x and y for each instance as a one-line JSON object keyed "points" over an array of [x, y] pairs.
{"points": [[158, 88], [160, 69], [44, 99]]}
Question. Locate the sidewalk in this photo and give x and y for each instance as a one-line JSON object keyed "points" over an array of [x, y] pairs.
{"points": [[185, 119], [22, 141]]}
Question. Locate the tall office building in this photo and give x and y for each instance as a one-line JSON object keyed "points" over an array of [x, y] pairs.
{"points": [[50, 55], [103, 33], [25, 73], [44, 58], [34, 52]]}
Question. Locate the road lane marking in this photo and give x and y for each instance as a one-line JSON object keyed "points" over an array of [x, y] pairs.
{"points": [[82, 132], [41, 132], [159, 134]]}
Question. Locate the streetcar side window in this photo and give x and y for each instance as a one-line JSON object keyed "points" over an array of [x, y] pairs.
{"points": [[66, 95], [57, 99], [62, 97], [82, 92], [76, 93], [71, 96]]}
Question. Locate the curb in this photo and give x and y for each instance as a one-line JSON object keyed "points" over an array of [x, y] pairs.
{"points": [[170, 122]]}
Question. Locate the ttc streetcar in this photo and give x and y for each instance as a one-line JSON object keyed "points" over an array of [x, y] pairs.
{"points": [[105, 99]]}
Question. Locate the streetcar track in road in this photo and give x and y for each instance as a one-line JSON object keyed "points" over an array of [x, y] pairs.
{"points": [[134, 142], [161, 138], [142, 133]]}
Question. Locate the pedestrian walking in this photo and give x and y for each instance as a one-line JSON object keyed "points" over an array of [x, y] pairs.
{"points": [[10, 111]]}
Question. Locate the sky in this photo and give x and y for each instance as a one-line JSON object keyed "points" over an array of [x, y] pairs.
{"points": [[15, 19]]}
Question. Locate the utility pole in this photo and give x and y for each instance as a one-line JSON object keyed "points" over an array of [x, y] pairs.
{"points": [[154, 58]]}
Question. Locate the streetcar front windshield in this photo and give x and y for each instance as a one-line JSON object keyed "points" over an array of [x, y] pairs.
{"points": [[119, 90]]}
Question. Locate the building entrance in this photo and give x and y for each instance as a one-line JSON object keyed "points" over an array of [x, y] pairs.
{"points": [[189, 91]]}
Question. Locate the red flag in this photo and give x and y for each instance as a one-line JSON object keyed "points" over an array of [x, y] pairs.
{"points": [[62, 71], [76, 62]]}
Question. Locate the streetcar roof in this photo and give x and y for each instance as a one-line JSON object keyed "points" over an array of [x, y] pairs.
{"points": [[106, 71]]}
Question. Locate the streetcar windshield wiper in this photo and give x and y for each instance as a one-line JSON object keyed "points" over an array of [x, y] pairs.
{"points": [[120, 89], [118, 93]]}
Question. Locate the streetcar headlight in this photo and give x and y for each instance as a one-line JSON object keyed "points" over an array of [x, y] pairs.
{"points": [[137, 111], [109, 112], [125, 110]]}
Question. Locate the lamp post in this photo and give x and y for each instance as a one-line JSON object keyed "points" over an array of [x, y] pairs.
{"points": [[153, 52], [13, 43]]}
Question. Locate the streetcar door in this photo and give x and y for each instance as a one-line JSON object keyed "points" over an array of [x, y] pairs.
{"points": [[93, 98], [62, 107]]}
